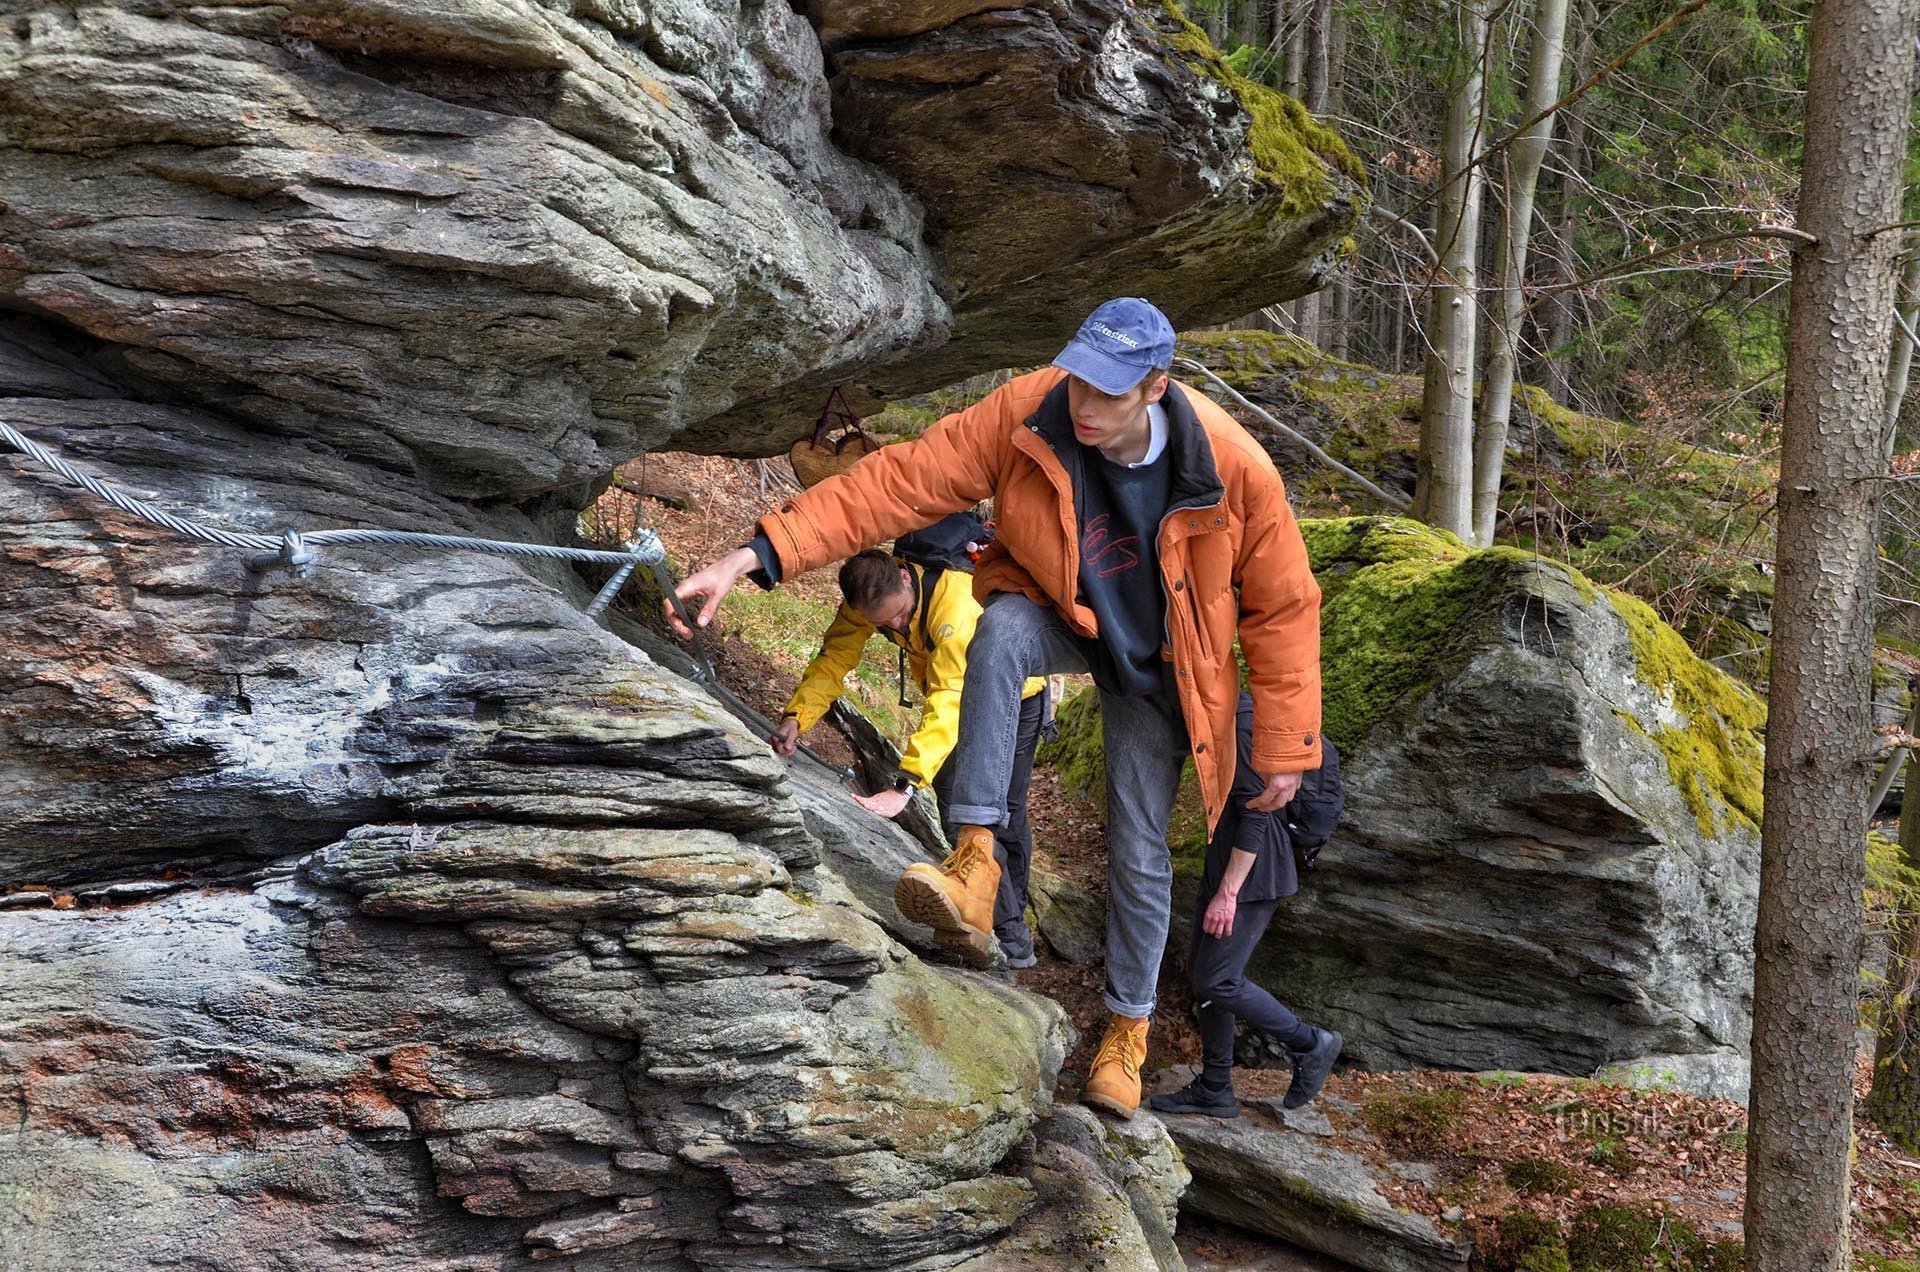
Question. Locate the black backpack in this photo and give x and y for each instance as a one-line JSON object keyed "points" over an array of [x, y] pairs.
{"points": [[943, 545], [936, 549]]}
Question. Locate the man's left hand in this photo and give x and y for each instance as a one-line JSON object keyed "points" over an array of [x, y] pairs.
{"points": [[886, 803], [1281, 788]]}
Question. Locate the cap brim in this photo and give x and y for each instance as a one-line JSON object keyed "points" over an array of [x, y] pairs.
{"points": [[1102, 370]]}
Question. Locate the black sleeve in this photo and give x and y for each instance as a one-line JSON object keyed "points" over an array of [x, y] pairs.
{"points": [[1315, 811], [769, 572], [1256, 829]]}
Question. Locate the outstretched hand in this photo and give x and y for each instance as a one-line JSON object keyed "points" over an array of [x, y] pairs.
{"points": [[885, 804], [708, 586], [1281, 788]]}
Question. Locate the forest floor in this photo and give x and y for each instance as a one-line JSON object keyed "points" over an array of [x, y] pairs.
{"points": [[1501, 1144]]}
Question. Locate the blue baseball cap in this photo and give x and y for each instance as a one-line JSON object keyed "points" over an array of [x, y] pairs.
{"points": [[1118, 344]]}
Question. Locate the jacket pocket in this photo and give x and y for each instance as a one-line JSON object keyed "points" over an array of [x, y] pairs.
{"points": [[1199, 619]]}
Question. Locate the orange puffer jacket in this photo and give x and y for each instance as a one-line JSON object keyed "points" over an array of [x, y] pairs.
{"points": [[1231, 557]]}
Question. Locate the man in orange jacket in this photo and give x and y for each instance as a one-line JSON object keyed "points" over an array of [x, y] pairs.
{"points": [[1140, 531]]}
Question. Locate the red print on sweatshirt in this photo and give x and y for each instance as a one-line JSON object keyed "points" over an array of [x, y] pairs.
{"points": [[1105, 554]]}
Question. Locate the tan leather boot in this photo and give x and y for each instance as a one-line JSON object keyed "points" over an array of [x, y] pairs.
{"points": [[956, 900], [1114, 1083]]}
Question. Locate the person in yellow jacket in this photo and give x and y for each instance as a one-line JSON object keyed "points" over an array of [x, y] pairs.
{"points": [[930, 614]]}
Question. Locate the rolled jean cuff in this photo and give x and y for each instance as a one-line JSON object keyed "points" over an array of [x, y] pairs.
{"points": [[976, 815], [1133, 1011]]}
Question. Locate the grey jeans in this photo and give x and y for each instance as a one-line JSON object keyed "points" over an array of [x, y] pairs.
{"points": [[1145, 740]]}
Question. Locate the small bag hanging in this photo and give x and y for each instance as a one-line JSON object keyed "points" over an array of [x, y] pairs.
{"points": [[839, 441]]}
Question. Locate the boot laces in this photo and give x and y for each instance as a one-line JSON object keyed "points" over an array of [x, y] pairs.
{"points": [[961, 861], [1117, 1047]]}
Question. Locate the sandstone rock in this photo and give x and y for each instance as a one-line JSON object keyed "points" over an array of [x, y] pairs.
{"points": [[477, 936], [1073, 921], [1108, 1197], [1587, 898], [1257, 1173], [637, 220]]}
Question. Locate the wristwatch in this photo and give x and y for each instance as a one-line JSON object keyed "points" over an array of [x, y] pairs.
{"points": [[902, 782]]}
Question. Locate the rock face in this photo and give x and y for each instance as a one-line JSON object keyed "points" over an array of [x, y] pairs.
{"points": [[1277, 1171], [401, 911], [506, 246], [1109, 1194], [1587, 897], [498, 940]]}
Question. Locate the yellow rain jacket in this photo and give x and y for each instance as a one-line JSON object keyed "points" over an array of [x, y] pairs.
{"points": [[935, 639]]}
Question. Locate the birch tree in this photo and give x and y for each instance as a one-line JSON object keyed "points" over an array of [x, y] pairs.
{"points": [[1522, 175], [1443, 493]]}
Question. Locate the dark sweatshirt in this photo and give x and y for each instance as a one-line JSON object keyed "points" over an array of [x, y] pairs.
{"points": [[1307, 820]]}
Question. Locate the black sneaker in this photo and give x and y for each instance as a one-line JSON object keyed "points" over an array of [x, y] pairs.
{"points": [[1197, 1097], [1310, 1068]]}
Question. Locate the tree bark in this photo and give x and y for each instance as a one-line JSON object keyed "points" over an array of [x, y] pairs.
{"points": [[1443, 494], [1909, 302], [1807, 942], [1295, 34], [1246, 24], [1521, 167], [1556, 369], [1340, 333], [1319, 48], [1894, 1101]]}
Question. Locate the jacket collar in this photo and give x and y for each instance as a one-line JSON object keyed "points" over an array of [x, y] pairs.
{"points": [[1195, 477]]}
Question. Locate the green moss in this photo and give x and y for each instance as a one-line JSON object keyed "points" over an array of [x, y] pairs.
{"points": [[1529, 1175], [1416, 1121], [1880, 1263], [1714, 753], [1523, 1242], [1612, 1237], [1244, 357], [1077, 755], [1289, 146], [1401, 604]]}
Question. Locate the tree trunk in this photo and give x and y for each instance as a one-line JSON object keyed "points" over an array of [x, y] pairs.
{"points": [[1444, 492], [1399, 307], [1319, 47], [1807, 942], [1909, 302], [1295, 33], [1556, 369], [1521, 167], [1340, 338], [1306, 319], [1215, 22], [1894, 1102], [1246, 24]]}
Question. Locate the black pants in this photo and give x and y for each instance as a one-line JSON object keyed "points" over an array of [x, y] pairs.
{"points": [[1013, 842], [1217, 969]]}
